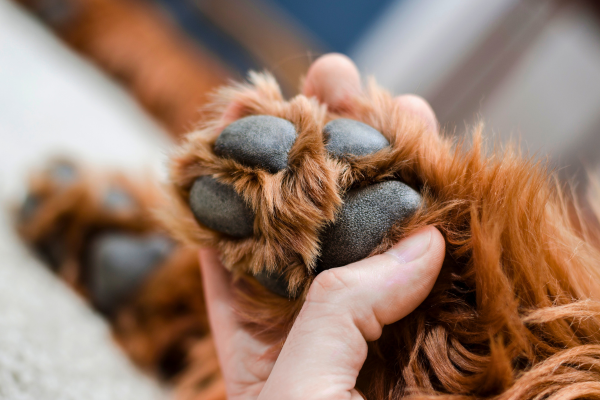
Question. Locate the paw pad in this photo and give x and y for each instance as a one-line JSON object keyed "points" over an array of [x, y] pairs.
{"points": [[29, 207], [118, 199], [349, 137], [263, 141], [364, 219], [219, 207], [59, 175], [119, 263], [63, 172], [274, 282], [337, 204], [257, 141]]}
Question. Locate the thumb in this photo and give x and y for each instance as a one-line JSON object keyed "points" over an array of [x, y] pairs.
{"points": [[346, 307]]}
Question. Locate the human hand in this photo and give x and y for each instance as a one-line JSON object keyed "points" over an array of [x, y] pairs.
{"points": [[345, 307], [327, 345]]}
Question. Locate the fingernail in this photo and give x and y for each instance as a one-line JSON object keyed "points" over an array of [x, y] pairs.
{"points": [[412, 247]]}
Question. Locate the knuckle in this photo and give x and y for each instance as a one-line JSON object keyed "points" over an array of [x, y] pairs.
{"points": [[328, 284]]}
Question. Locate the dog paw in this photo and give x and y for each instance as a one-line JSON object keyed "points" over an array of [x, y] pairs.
{"points": [[58, 175], [96, 230], [91, 229], [286, 189]]}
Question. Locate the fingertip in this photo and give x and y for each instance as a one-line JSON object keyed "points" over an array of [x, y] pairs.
{"points": [[431, 263], [418, 106], [408, 284], [332, 78], [428, 267], [437, 247], [429, 258]]}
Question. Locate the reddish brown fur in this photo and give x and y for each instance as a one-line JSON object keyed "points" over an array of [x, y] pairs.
{"points": [[515, 313], [166, 317]]}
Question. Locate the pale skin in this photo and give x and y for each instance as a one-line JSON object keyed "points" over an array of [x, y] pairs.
{"points": [[345, 307]]}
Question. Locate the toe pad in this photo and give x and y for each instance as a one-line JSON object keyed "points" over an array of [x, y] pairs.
{"points": [[367, 214], [349, 137], [217, 206], [119, 263], [257, 141], [274, 282]]}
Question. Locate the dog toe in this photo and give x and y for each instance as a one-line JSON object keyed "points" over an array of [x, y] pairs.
{"points": [[217, 206], [119, 263], [362, 222], [349, 137], [257, 141]]}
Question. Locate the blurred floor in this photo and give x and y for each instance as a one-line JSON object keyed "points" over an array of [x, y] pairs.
{"points": [[52, 102], [52, 346]]}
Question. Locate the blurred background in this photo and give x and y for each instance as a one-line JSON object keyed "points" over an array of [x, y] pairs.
{"points": [[114, 83], [530, 69]]}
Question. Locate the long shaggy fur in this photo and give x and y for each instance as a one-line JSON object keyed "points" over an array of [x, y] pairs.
{"points": [[515, 312]]}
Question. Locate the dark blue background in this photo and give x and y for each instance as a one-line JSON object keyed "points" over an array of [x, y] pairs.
{"points": [[337, 24]]}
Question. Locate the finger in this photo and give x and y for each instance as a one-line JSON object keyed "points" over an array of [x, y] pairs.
{"points": [[243, 359], [332, 79], [216, 281], [418, 106], [345, 308]]}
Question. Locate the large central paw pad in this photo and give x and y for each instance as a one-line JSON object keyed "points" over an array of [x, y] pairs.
{"points": [[288, 190]]}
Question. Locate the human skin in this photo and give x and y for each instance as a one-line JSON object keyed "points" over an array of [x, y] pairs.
{"points": [[345, 307]]}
